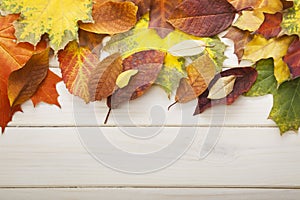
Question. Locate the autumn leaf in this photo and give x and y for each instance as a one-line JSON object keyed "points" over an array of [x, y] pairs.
{"points": [[57, 18], [112, 17], [149, 64], [92, 41], [250, 20], [222, 87], [12, 56], [124, 78], [143, 7], [240, 38], [160, 11], [261, 48], [208, 18], [271, 25], [76, 64], [266, 82], [245, 78], [24, 82], [103, 78], [47, 90], [200, 73], [291, 20], [292, 58], [188, 48], [265, 6], [286, 109]]}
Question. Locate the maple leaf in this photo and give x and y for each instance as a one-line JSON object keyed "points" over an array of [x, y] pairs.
{"points": [[160, 11], [76, 64], [12, 56], [57, 18], [112, 17], [24, 82], [292, 58], [291, 20], [286, 109], [203, 17], [47, 90], [271, 25], [266, 82], [240, 38], [148, 64], [103, 78], [261, 48], [245, 78]]}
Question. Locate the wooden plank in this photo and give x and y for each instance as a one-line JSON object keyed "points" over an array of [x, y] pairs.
{"points": [[149, 194], [243, 157], [150, 110]]}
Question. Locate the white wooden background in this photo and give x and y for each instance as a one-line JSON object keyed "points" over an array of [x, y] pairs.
{"points": [[42, 157]]}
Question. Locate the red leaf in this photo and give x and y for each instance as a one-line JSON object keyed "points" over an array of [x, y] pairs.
{"points": [[47, 91], [160, 11], [203, 18], [292, 58], [271, 26], [246, 77]]}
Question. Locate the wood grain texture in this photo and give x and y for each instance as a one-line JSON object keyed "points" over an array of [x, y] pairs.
{"points": [[148, 194]]}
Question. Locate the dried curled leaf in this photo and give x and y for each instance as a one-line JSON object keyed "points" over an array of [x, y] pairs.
{"points": [[112, 17], [24, 82], [208, 18], [222, 87], [103, 78]]}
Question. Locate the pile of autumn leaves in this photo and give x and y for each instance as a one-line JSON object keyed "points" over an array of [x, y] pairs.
{"points": [[175, 46]]}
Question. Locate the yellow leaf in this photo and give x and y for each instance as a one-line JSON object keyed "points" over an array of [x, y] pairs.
{"points": [[55, 17], [124, 78], [222, 87], [250, 20], [269, 6], [281, 71]]}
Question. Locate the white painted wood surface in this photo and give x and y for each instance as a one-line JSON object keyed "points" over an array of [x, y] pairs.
{"points": [[43, 157]]}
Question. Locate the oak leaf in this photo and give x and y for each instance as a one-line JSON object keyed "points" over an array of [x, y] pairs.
{"points": [[160, 11], [149, 64], [245, 78], [24, 82], [292, 58], [203, 17], [112, 17], [271, 25], [47, 90], [76, 64], [102, 80], [57, 18]]}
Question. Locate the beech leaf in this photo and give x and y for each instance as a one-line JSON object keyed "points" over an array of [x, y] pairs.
{"points": [[57, 18], [245, 78], [188, 48], [222, 87], [76, 64], [292, 58], [203, 17], [112, 17], [124, 78], [149, 64], [103, 78]]}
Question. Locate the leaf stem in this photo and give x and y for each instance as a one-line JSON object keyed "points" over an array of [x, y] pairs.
{"points": [[107, 116], [172, 105]]}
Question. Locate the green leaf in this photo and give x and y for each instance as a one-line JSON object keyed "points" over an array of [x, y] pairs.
{"points": [[286, 108], [266, 82]]}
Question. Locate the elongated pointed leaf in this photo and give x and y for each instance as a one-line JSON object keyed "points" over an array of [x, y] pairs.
{"points": [[188, 48]]}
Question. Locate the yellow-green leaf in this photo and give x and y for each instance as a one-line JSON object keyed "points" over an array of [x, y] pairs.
{"points": [[55, 17], [291, 20]]}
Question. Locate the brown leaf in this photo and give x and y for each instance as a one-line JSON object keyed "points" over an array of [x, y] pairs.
{"points": [[92, 41], [144, 7], [47, 90], [287, 4], [111, 18], [203, 17], [240, 39], [149, 64], [24, 82], [103, 78], [160, 11], [271, 26], [292, 58], [200, 73], [245, 78]]}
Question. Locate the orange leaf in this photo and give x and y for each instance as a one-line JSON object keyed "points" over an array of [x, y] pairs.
{"points": [[103, 78], [12, 57], [47, 91], [24, 82], [112, 17], [160, 11], [76, 64], [93, 41], [271, 26]]}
